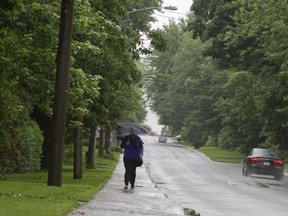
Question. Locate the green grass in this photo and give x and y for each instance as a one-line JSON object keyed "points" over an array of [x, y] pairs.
{"points": [[219, 154], [222, 155], [28, 194]]}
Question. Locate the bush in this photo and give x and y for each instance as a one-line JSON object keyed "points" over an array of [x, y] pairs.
{"points": [[209, 142], [20, 149], [117, 149], [12, 113], [30, 148]]}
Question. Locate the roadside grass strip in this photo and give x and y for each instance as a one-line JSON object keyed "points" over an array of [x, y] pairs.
{"points": [[28, 194], [222, 155]]}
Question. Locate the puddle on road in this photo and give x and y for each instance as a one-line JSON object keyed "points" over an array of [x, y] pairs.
{"points": [[278, 186], [262, 185], [157, 182]]}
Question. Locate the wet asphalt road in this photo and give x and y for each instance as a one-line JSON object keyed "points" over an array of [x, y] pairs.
{"points": [[175, 180]]}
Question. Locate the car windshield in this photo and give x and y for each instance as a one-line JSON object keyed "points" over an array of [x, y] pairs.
{"points": [[265, 153]]}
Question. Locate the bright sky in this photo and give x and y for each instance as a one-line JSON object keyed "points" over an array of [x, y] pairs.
{"points": [[163, 18]]}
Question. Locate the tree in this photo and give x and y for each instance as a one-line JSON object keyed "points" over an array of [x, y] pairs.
{"points": [[91, 149], [248, 38], [60, 99], [78, 136], [263, 25], [27, 41], [213, 18], [158, 91], [104, 46], [106, 42]]}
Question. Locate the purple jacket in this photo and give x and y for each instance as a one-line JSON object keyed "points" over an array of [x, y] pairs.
{"points": [[135, 149]]}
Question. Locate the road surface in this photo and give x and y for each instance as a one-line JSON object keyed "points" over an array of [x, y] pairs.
{"points": [[211, 188], [176, 180]]}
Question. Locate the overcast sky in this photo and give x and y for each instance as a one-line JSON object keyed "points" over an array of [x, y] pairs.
{"points": [[163, 18]]}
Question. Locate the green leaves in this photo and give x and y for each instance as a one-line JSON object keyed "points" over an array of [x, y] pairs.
{"points": [[158, 40], [83, 92], [231, 85], [104, 77]]}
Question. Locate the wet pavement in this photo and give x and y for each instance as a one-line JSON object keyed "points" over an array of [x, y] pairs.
{"points": [[177, 181], [146, 199]]}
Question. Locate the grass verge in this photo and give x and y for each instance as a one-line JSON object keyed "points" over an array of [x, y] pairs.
{"points": [[28, 194], [222, 155]]}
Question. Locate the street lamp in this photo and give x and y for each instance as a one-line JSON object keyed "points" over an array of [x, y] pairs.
{"points": [[173, 8]]}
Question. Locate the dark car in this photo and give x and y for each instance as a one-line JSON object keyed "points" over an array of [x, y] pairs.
{"points": [[163, 139], [178, 138], [263, 162]]}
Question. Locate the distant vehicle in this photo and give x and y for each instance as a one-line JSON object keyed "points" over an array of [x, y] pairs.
{"points": [[263, 162], [178, 138], [163, 139]]}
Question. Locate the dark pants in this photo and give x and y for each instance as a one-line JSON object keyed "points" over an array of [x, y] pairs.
{"points": [[130, 171]]}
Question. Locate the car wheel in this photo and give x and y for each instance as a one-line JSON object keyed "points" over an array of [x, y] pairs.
{"points": [[278, 177], [247, 172]]}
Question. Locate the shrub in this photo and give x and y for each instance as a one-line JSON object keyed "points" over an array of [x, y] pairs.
{"points": [[30, 148]]}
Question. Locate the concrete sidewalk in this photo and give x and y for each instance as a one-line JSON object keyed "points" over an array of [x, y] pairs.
{"points": [[146, 199]]}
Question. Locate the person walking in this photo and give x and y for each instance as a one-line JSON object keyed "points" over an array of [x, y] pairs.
{"points": [[133, 151]]}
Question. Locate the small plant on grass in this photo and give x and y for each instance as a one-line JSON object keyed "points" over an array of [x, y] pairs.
{"points": [[191, 212]]}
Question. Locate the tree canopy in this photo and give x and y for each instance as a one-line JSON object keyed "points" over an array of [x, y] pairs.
{"points": [[225, 77], [104, 79]]}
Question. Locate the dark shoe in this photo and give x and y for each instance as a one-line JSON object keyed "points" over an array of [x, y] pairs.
{"points": [[132, 187], [125, 187]]}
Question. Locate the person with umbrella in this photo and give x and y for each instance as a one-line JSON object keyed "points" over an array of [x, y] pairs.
{"points": [[133, 152]]}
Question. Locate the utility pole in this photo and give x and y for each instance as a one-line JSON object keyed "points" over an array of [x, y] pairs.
{"points": [[56, 149]]}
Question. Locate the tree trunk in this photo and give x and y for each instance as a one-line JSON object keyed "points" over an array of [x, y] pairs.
{"points": [[101, 142], [91, 149], [78, 150], [60, 98], [107, 141]]}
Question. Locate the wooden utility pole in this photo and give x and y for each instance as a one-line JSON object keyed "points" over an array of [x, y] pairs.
{"points": [[60, 97]]}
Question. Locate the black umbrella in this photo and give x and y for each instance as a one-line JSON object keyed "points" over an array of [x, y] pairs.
{"points": [[130, 127], [121, 136]]}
